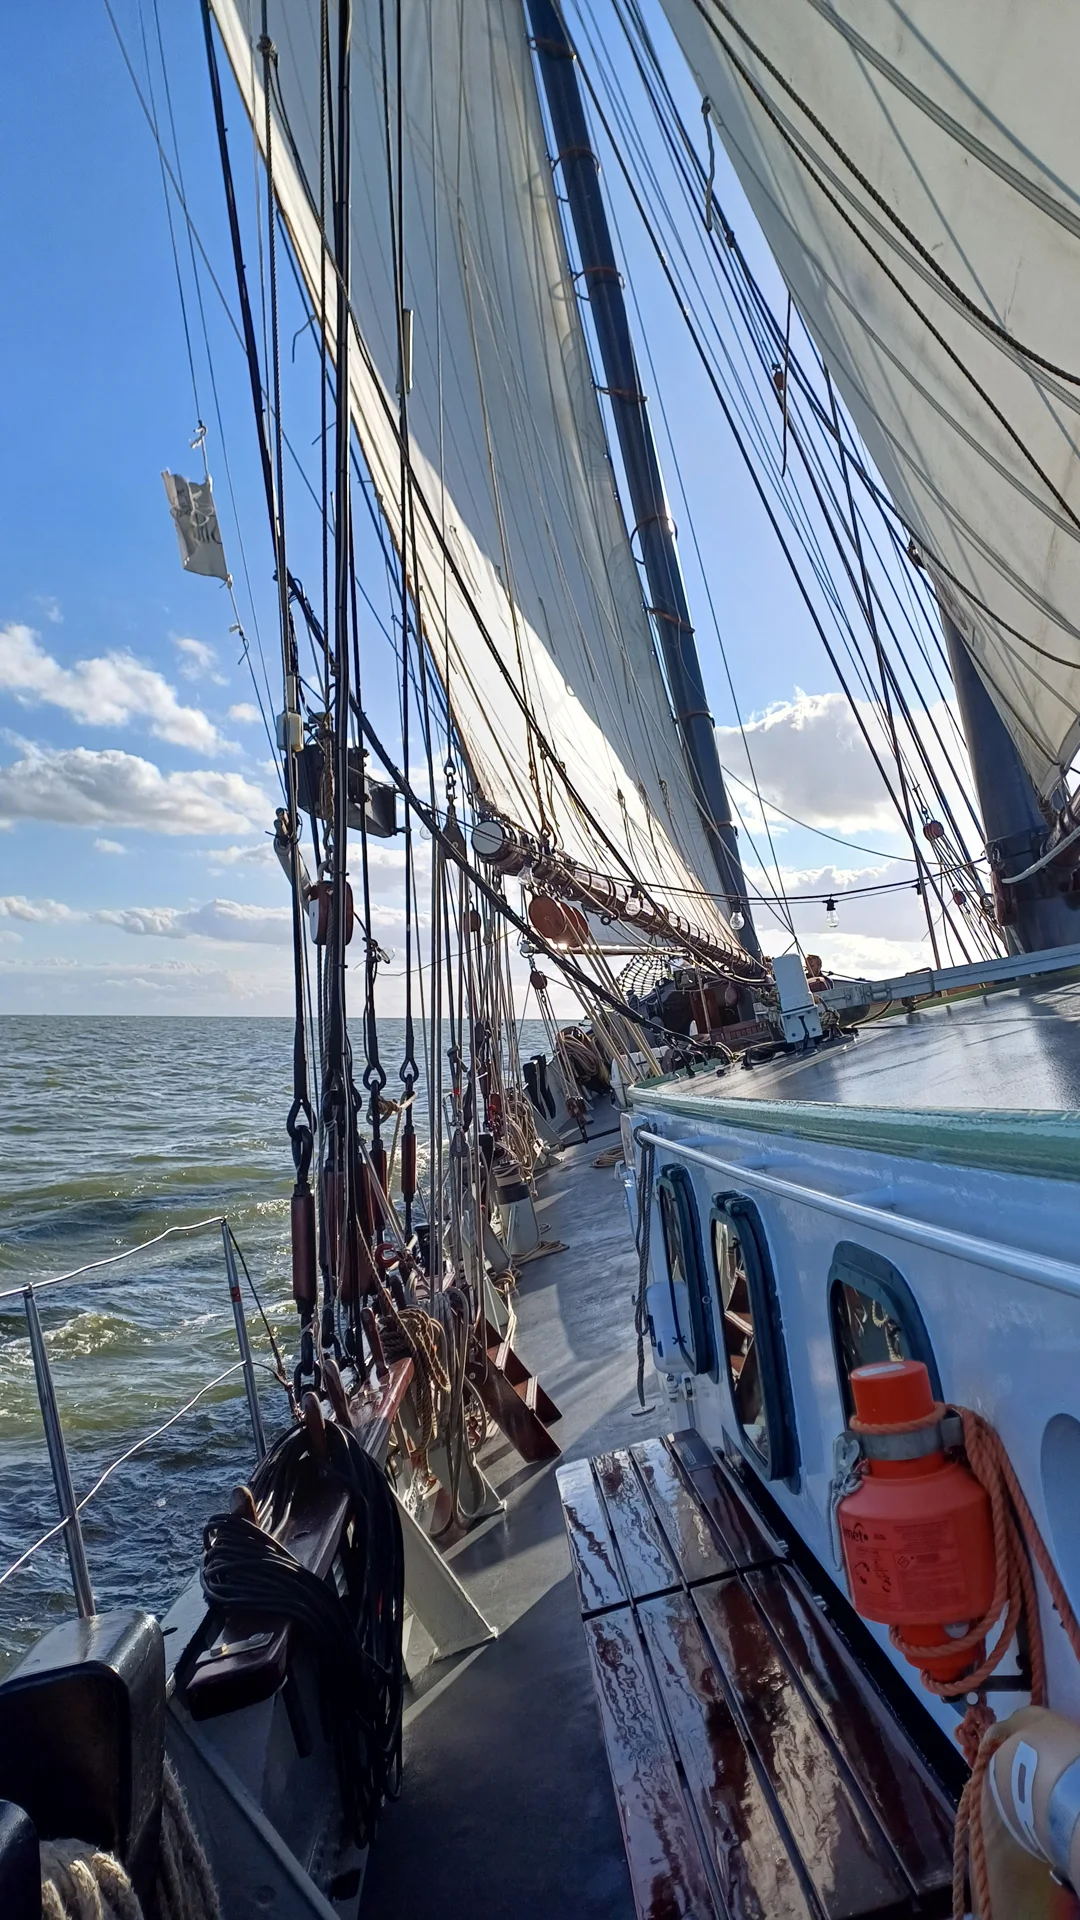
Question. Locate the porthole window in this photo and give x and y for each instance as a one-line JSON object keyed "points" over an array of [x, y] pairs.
{"points": [[753, 1337], [677, 1305], [874, 1317]]}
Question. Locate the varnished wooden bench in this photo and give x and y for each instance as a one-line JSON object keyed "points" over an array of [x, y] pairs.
{"points": [[758, 1772], [247, 1660]]}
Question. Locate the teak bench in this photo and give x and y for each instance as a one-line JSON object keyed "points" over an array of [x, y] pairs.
{"points": [[759, 1774]]}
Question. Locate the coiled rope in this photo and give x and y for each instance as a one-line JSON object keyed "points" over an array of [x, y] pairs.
{"points": [[79, 1882], [408, 1333], [356, 1641]]}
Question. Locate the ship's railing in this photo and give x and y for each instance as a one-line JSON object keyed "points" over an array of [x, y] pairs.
{"points": [[71, 1509]]}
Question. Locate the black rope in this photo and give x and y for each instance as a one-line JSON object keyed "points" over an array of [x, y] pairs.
{"points": [[356, 1640]]}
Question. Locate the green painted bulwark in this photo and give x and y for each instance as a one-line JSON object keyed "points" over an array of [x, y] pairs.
{"points": [[1018, 1140]]}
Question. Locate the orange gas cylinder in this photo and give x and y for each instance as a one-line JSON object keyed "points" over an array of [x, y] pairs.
{"points": [[917, 1531]]}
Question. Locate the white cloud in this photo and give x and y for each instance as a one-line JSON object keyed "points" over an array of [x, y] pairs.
{"points": [[109, 846], [245, 714], [225, 920], [50, 607], [867, 956], [159, 986], [223, 857], [16, 906], [198, 661], [80, 788], [879, 933], [108, 691], [896, 914], [810, 759]]}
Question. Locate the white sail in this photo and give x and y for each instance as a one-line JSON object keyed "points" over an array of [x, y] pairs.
{"points": [[507, 440], [962, 118]]}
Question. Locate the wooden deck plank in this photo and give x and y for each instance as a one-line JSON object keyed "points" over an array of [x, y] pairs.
{"points": [[667, 1874], [744, 1537], [912, 1810], [592, 1553], [847, 1859], [647, 1563], [749, 1851], [681, 1515]]}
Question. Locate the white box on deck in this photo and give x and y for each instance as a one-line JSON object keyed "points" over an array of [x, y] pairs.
{"points": [[798, 1014]]}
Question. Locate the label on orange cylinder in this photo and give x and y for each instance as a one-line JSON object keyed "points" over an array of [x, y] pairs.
{"points": [[908, 1567]]}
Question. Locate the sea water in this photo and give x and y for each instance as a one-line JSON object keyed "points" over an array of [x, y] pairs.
{"points": [[112, 1130]]}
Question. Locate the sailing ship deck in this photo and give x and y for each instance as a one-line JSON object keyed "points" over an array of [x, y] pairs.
{"points": [[506, 1781], [1018, 1047], [508, 1806]]}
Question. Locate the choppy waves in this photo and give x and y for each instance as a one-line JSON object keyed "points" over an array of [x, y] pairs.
{"points": [[113, 1131]]}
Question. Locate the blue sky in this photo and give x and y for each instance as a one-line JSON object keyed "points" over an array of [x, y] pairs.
{"points": [[136, 786]]}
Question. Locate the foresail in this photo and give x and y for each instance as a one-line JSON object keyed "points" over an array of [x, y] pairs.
{"points": [[962, 119], [538, 608]]}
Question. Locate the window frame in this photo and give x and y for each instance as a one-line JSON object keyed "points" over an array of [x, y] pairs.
{"points": [[741, 1217], [675, 1181], [875, 1276]]}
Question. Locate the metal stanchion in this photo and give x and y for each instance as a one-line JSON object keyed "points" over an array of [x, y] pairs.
{"points": [[243, 1342], [54, 1436]]}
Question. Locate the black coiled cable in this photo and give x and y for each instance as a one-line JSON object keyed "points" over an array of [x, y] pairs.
{"points": [[356, 1642]]}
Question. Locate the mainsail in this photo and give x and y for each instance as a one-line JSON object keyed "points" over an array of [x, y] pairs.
{"points": [[524, 574], [916, 171]]}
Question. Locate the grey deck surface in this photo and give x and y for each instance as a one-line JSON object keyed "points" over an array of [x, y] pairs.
{"points": [[1019, 1048], [507, 1809]]}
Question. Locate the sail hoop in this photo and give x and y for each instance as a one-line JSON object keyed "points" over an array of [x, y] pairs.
{"points": [[925, 232]]}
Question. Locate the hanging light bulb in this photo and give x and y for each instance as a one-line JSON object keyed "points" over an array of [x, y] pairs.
{"points": [[832, 918], [737, 921]]}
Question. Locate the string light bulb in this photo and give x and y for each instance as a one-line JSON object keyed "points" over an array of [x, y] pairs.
{"points": [[737, 921], [832, 918]]}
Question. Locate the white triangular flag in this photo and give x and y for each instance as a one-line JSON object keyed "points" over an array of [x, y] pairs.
{"points": [[191, 503]]}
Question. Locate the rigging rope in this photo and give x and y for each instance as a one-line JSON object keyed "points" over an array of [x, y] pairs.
{"points": [[740, 443], [956, 358], [971, 307], [683, 157]]}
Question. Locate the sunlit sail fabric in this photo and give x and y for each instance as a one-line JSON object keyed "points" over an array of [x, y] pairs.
{"points": [[962, 117], [507, 439]]}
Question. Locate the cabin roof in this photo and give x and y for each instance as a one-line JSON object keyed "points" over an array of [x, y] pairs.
{"points": [[992, 1081]]}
